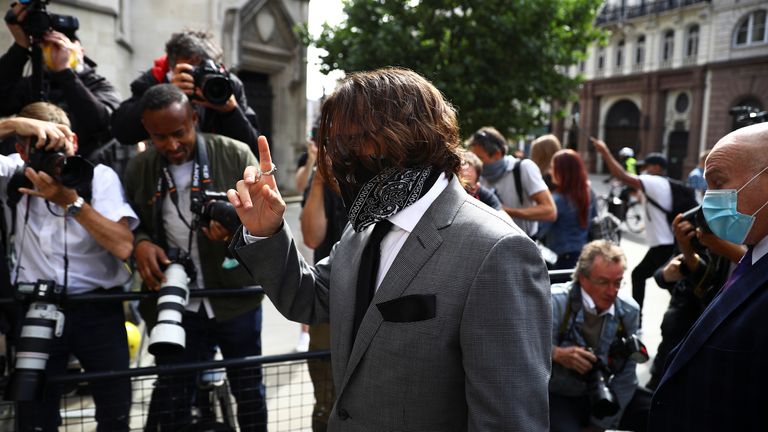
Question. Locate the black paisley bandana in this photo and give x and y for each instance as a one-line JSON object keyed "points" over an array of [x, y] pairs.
{"points": [[389, 192]]}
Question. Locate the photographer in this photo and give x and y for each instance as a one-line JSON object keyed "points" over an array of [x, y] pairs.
{"points": [[592, 329], [693, 279], [162, 185], [184, 53], [81, 245], [69, 80]]}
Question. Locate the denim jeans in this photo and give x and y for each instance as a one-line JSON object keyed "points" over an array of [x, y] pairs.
{"points": [[95, 334], [172, 397]]}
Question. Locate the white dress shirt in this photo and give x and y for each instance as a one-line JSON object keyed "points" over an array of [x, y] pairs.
{"points": [[759, 251]]}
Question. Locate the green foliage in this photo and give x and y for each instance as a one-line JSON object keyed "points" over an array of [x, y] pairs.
{"points": [[495, 60]]}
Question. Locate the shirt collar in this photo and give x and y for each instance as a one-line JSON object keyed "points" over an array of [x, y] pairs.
{"points": [[407, 218], [760, 250], [589, 305]]}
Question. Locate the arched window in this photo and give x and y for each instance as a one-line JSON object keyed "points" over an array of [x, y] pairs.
{"points": [[692, 42], [619, 55], [640, 51], [752, 29], [667, 47]]}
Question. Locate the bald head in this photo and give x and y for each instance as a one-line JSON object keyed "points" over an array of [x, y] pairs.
{"points": [[737, 162], [748, 146]]}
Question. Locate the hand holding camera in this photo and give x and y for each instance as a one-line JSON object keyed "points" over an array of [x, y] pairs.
{"points": [[150, 258], [574, 357], [207, 84]]}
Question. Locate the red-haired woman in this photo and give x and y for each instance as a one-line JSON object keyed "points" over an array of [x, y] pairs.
{"points": [[575, 209]]}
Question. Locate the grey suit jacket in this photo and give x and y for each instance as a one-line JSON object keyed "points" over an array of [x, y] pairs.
{"points": [[481, 364]]}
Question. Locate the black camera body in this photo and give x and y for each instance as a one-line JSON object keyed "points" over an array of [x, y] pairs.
{"points": [[38, 21], [696, 218], [601, 397], [213, 80], [71, 171], [215, 206]]}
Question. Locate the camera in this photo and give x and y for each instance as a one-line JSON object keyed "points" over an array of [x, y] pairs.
{"points": [[696, 217], [71, 171], [38, 21], [602, 400], [629, 347], [215, 206], [601, 397], [168, 337], [213, 80], [42, 322]]}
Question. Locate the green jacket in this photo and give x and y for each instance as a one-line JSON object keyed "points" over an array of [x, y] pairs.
{"points": [[228, 159]]}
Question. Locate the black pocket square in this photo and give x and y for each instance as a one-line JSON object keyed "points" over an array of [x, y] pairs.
{"points": [[415, 307]]}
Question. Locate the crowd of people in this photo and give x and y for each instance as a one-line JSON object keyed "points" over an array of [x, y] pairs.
{"points": [[439, 312]]}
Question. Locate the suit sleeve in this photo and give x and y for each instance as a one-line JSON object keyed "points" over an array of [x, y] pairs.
{"points": [[506, 340], [299, 291]]}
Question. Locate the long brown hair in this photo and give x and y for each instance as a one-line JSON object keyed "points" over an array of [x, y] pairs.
{"points": [[572, 181], [396, 110]]}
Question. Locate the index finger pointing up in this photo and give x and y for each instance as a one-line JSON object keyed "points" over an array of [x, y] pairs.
{"points": [[265, 157]]}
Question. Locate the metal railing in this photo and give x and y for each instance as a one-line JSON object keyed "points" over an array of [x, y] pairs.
{"points": [[290, 393], [617, 13]]}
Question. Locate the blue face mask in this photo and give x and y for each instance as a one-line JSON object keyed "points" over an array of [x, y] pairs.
{"points": [[725, 221]]}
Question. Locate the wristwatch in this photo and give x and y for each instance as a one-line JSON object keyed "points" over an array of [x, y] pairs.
{"points": [[74, 208]]}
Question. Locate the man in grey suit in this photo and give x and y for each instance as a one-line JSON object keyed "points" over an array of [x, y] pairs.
{"points": [[439, 309]]}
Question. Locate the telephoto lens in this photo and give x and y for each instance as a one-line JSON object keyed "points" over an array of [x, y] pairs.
{"points": [[168, 336], [42, 322], [214, 82]]}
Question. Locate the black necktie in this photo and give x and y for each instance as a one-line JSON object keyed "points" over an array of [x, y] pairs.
{"points": [[366, 276]]}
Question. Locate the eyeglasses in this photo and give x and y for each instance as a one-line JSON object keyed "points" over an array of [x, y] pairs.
{"points": [[487, 141]]}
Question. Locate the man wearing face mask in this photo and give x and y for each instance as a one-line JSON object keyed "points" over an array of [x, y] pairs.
{"points": [[715, 379], [439, 309], [70, 81]]}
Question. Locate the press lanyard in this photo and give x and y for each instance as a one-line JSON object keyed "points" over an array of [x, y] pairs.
{"points": [[201, 181]]}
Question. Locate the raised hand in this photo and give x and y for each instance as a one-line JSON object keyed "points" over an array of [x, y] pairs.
{"points": [[256, 198]]}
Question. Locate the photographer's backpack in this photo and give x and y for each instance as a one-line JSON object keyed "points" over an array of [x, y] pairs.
{"points": [[683, 199]]}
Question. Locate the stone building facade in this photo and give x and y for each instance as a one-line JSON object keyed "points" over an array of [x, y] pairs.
{"points": [[668, 77], [125, 36]]}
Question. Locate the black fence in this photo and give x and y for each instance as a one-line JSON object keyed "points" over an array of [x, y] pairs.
{"points": [[210, 406]]}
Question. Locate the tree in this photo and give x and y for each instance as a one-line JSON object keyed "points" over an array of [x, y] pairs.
{"points": [[497, 61]]}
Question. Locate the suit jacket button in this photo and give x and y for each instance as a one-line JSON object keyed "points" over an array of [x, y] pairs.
{"points": [[343, 414]]}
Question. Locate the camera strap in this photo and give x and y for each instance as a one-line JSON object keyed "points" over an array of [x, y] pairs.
{"points": [[572, 308], [201, 181]]}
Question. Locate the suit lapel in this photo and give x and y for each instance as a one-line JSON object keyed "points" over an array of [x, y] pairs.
{"points": [[343, 298], [723, 305], [416, 251]]}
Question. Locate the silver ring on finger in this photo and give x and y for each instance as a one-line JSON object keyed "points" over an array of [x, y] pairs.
{"points": [[270, 171]]}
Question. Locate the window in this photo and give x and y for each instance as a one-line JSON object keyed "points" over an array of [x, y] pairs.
{"points": [[600, 59], [640, 51], [752, 29], [667, 46], [619, 55], [692, 42]]}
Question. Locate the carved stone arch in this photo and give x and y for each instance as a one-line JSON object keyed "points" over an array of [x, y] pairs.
{"points": [[267, 38]]}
